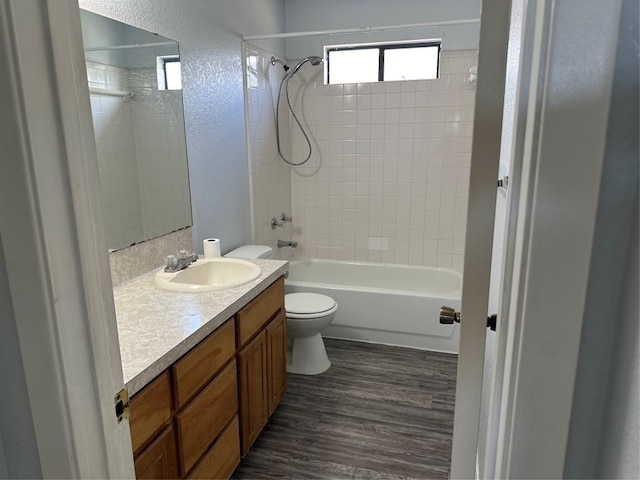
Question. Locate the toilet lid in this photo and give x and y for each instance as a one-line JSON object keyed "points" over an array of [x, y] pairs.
{"points": [[305, 303]]}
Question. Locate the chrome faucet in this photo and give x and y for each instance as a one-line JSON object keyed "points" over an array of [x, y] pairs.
{"points": [[283, 243], [182, 261]]}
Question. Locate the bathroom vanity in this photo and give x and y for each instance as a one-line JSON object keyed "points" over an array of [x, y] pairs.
{"points": [[197, 408]]}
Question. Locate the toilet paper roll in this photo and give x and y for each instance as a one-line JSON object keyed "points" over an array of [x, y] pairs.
{"points": [[211, 247]]}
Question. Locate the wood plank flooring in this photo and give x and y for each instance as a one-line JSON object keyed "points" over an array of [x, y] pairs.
{"points": [[378, 412]]}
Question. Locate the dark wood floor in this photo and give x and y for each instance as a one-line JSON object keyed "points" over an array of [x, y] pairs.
{"points": [[378, 412]]}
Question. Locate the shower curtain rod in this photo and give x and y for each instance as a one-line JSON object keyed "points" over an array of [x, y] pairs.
{"points": [[110, 92], [122, 47], [360, 29]]}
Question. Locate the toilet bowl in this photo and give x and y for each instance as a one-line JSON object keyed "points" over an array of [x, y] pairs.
{"points": [[307, 315]]}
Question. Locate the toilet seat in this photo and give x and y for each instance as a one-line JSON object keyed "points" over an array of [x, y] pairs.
{"points": [[308, 305]]}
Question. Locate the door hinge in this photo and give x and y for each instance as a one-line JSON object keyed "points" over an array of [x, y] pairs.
{"points": [[122, 404]]}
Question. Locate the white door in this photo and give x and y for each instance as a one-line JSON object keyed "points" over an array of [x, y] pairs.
{"points": [[61, 316], [492, 58]]}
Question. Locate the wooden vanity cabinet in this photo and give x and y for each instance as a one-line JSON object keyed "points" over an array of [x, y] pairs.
{"points": [[152, 435], [262, 364], [182, 422], [252, 373], [158, 460], [197, 417], [276, 336]]}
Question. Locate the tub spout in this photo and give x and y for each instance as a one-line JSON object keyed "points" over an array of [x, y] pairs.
{"points": [[283, 243]]}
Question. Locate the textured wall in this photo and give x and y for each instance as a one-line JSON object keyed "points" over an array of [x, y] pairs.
{"points": [[209, 33]]}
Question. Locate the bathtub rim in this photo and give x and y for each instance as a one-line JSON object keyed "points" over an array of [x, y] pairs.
{"points": [[453, 295]]}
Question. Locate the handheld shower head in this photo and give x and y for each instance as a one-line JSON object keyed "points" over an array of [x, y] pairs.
{"points": [[284, 85], [313, 60]]}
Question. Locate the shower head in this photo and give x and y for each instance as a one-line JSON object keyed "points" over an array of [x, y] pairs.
{"points": [[313, 60]]}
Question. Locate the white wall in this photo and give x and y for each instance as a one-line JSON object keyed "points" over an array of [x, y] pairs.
{"points": [[304, 15], [270, 176], [389, 177], [209, 33], [408, 142]]}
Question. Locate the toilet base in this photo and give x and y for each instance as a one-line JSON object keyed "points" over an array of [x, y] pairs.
{"points": [[307, 355]]}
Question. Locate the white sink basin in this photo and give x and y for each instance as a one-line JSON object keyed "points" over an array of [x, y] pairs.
{"points": [[208, 274]]}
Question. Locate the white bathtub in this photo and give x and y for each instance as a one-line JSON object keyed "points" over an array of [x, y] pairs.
{"points": [[383, 303]]}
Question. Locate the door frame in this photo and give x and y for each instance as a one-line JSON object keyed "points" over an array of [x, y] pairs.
{"points": [[55, 257], [551, 244], [553, 234]]}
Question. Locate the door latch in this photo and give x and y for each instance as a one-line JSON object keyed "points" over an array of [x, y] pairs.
{"points": [[449, 316], [121, 401], [492, 321]]}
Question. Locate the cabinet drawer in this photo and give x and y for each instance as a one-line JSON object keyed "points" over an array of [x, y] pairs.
{"points": [[205, 417], [159, 459], [197, 367], [223, 458], [255, 315], [150, 410]]}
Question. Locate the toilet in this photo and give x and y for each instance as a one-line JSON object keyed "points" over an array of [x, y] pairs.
{"points": [[307, 315]]}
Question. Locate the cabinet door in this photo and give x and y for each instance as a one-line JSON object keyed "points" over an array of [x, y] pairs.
{"points": [[277, 359], [158, 460], [205, 417], [150, 411], [253, 317], [252, 364]]}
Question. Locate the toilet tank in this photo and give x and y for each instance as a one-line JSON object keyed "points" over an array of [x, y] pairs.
{"points": [[251, 251]]}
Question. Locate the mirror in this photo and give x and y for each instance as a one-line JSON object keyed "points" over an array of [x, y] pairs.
{"points": [[136, 104]]}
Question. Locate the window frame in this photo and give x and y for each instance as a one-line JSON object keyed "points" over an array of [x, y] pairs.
{"points": [[382, 48], [161, 61]]}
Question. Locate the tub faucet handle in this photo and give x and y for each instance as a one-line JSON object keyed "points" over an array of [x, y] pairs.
{"points": [[284, 218], [275, 223]]}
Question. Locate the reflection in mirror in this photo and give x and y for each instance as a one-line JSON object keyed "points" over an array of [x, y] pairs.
{"points": [[136, 104]]}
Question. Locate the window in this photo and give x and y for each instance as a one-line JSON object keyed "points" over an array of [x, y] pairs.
{"points": [[169, 73], [252, 71], [383, 62]]}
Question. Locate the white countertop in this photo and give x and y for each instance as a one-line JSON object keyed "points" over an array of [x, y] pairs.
{"points": [[156, 327]]}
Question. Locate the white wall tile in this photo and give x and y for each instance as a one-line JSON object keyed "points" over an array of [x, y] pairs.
{"points": [[391, 162]]}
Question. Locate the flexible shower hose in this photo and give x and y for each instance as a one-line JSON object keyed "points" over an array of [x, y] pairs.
{"points": [[285, 82]]}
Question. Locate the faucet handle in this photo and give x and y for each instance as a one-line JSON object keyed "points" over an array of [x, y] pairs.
{"points": [[171, 261], [182, 254]]}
